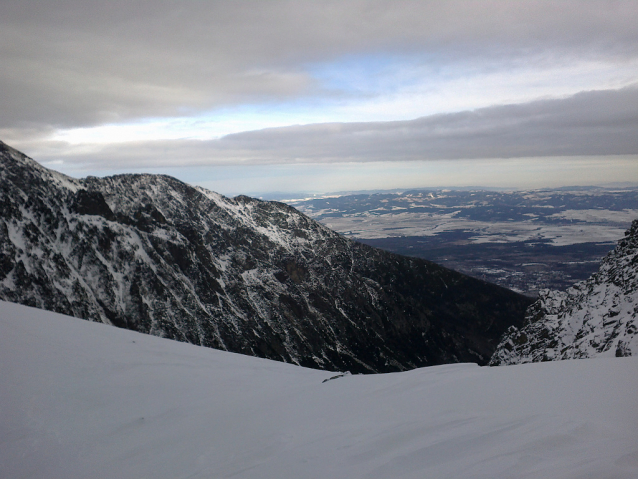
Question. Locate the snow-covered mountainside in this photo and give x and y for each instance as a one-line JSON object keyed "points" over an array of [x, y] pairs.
{"points": [[82, 400], [595, 317], [152, 254]]}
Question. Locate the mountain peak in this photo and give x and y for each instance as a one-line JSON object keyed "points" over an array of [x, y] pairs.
{"points": [[20, 170]]}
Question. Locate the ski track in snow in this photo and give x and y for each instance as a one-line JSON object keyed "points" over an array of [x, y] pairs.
{"points": [[80, 399]]}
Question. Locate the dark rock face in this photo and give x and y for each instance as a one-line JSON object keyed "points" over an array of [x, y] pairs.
{"points": [[91, 203], [596, 317], [152, 254]]}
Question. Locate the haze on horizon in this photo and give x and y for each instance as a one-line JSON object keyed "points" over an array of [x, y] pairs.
{"points": [[289, 96]]}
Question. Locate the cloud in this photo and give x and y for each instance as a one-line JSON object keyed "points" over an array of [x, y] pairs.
{"points": [[73, 63], [589, 123]]}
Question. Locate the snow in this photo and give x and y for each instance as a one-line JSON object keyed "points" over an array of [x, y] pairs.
{"points": [[244, 213], [599, 215], [371, 226], [81, 399]]}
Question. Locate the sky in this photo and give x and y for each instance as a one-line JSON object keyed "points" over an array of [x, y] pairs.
{"points": [[253, 97]]}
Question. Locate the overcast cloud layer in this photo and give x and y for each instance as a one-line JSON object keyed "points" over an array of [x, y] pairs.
{"points": [[458, 79], [591, 123]]}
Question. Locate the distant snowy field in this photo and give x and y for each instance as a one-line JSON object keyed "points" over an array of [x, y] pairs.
{"points": [[85, 400], [368, 226], [560, 217]]}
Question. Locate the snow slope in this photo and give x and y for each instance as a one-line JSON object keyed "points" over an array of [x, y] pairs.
{"points": [[81, 399]]}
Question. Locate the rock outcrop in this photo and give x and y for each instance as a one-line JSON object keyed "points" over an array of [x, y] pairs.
{"points": [[595, 317]]}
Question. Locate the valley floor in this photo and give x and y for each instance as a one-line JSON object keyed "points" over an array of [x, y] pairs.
{"points": [[523, 240], [80, 399]]}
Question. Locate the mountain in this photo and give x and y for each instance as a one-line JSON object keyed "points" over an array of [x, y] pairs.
{"points": [[595, 317], [155, 255], [82, 400]]}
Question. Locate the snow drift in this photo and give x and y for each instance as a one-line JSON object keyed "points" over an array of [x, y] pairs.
{"points": [[81, 399]]}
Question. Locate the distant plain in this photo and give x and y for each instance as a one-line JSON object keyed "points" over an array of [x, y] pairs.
{"points": [[524, 240]]}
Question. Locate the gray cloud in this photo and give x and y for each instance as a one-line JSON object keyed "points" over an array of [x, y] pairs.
{"points": [[589, 123], [75, 63]]}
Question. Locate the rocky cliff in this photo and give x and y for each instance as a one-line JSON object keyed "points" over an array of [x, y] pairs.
{"points": [[595, 317]]}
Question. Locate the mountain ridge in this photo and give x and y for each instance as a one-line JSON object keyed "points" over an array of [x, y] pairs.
{"points": [[153, 254]]}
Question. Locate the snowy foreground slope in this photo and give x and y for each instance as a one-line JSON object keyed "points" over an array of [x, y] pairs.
{"points": [[81, 399], [595, 317]]}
